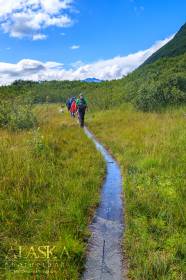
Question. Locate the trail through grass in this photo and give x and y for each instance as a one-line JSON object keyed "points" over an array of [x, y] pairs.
{"points": [[50, 180], [151, 149]]}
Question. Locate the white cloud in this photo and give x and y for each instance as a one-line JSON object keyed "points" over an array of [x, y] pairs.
{"points": [[114, 68], [38, 36], [27, 18], [74, 47]]}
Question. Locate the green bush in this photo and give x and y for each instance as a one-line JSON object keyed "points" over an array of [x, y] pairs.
{"points": [[16, 115], [155, 95]]}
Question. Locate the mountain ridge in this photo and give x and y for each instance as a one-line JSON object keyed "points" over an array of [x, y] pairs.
{"points": [[177, 46], [92, 80]]}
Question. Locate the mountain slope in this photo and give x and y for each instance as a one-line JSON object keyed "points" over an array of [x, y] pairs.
{"points": [[176, 46]]}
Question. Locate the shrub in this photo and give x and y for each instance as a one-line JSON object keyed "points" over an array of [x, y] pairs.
{"points": [[16, 115], [157, 94]]}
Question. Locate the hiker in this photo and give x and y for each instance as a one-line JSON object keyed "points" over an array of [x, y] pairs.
{"points": [[73, 108], [68, 104], [81, 107]]}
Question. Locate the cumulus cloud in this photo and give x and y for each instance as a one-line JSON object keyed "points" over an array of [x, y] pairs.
{"points": [[114, 68], [28, 18]]}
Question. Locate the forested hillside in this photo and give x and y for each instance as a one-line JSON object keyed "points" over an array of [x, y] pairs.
{"points": [[157, 85], [161, 80]]}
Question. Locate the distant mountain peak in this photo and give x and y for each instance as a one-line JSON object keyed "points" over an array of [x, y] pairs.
{"points": [[92, 80]]}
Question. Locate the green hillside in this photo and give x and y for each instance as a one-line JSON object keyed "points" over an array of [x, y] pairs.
{"points": [[161, 80], [176, 46], [157, 85]]}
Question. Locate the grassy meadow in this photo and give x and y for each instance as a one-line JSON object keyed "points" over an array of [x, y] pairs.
{"points": [[51, 174], [151, 150], [50, 179]]}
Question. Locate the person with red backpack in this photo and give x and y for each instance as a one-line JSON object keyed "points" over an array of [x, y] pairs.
{"points": [[81, 108], [73, 108]]}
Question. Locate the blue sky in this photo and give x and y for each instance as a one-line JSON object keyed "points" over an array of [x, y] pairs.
{"points": [[79, 33]]}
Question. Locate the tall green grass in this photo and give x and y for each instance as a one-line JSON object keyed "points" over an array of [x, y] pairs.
{"points": [[151, 149], [50, 180]]}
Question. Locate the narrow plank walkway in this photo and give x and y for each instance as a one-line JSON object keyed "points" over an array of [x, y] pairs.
{"points": [[104, 256]]}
